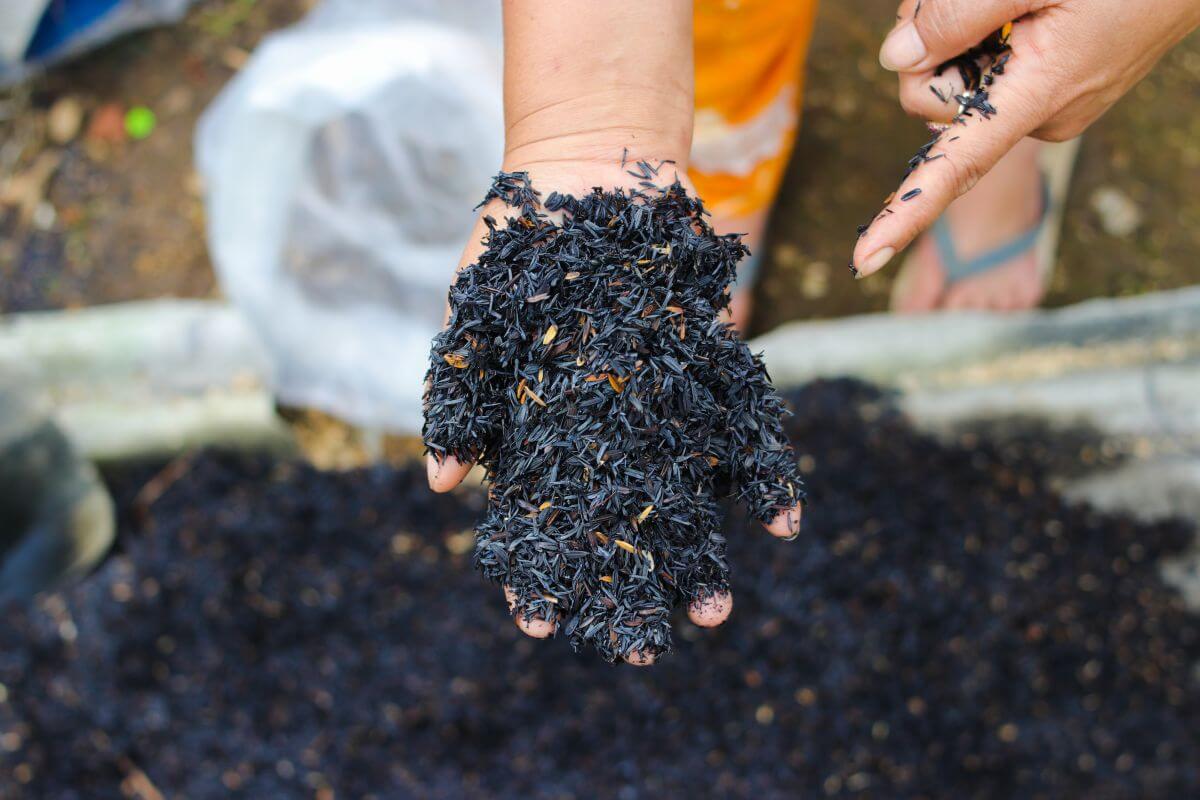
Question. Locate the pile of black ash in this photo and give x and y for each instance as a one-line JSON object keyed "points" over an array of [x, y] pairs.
{"points": [[946, 626]]}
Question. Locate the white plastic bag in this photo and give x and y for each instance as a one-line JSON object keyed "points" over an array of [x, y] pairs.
{"points": [[341, 168]]}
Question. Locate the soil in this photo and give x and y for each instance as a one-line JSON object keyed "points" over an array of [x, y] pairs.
{"points": [[955, 630], [85, 246]]}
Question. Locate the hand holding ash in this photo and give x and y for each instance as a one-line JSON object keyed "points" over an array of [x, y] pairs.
{"points": [[585, 367]]}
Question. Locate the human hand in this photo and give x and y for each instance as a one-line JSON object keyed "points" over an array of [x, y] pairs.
{"points": [[1071, 60], [568, 174], [585, 368]]}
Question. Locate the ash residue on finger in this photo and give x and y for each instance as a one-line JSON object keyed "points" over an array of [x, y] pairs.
{"points": [[978, 69], [951, 627], [585, 367]]}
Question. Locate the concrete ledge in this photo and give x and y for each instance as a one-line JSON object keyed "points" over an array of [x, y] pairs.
{"points": [[153, 378], [144, 379]]}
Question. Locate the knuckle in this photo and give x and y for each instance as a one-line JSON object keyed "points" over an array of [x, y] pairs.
{"points": [[968, 169], [948, 24], [1063, 128], [918, 101], [1056, 132], [942, 23]]}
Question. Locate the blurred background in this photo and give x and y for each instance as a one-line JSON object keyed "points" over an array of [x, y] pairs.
{"points": [[1132, 226], [226, 232]]}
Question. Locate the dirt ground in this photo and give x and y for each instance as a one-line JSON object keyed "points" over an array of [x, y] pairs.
{"points": [[102, 218], [120, 219]]}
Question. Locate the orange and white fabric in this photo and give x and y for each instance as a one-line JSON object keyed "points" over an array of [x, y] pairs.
{"points": [[749, 83]]}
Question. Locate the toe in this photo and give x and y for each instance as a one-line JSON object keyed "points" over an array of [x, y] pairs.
{"points": [[959, 298], [921, 281]]}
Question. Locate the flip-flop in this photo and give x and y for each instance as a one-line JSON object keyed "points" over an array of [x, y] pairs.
{"points": [[1056, 162]]}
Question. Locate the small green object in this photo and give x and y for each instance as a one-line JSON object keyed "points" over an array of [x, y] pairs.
{"points": [[140, 122]]}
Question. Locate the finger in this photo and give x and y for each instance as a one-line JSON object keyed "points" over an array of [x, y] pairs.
{"points": [[640, 638], [763, 465], [640, 658], [476, 244], [460, 413], [462, 420], [786, 524], [446, 472], [964, 153], [536, 627], [711, 610], [443, 471], [942, 29], [931, 97]]}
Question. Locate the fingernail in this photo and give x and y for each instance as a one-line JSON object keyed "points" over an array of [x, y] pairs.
{"points": [[876, 261], [793, 521], [902, 49]]}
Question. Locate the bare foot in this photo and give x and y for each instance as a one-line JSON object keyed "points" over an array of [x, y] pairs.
{"points": [[1002, 207]]}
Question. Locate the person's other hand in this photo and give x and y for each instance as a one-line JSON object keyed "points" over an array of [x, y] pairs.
{"points": [[1071, 60]]}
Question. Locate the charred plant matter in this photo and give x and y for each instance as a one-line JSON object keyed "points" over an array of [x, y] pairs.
{"points": [[586, 368]]}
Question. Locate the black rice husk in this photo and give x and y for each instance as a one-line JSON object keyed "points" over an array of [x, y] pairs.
{"points": [[585, 367], [947, 626]]}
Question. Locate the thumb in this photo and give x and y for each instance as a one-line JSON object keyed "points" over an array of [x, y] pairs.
{"points": [[456, 428], [930, 32], [955, 161]]}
